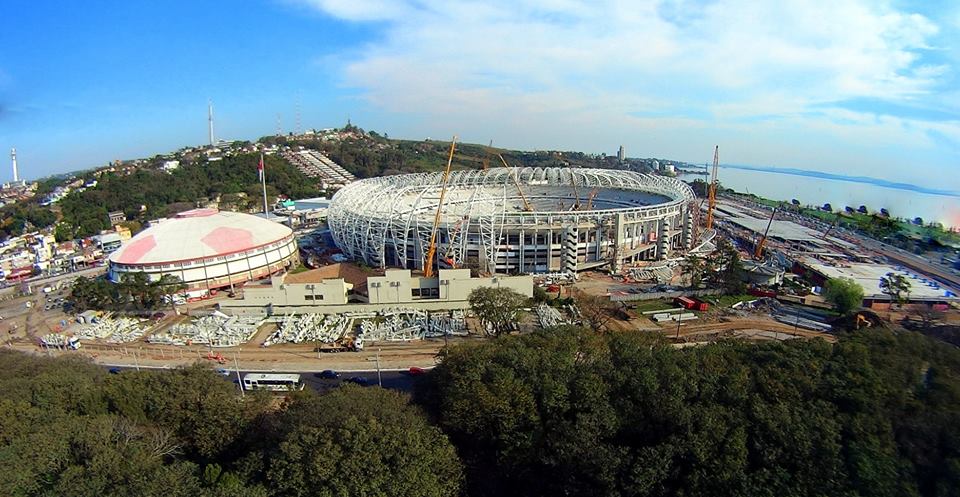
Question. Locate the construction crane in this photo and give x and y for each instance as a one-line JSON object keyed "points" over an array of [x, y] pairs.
{"points": [[758, 252], [831, 228], [486, 160], [448, 257], [712, 189], [576, 193], [593, 193], [516, 181], [432, 249]]}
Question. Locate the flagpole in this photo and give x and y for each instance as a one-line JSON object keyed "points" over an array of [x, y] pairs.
{"points": [[263, 182]]}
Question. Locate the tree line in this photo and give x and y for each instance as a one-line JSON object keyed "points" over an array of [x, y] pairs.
{"points": [[134, 292], [68, 428], [563, 411], [149, 193]]}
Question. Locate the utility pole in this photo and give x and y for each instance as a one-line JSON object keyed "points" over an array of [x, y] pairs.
{"points": [[379, 379], [236, 367]]}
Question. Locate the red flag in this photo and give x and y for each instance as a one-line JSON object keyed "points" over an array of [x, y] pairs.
{"points": [[260, 168]]}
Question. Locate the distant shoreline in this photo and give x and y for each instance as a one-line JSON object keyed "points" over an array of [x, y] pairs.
{"points": [[840, 177], [831, 176]]}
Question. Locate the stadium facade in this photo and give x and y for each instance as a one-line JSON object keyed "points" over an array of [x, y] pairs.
{"points": [[207, 249], [515, 220]]}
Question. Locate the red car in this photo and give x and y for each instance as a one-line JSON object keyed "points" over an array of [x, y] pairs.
{"points": [[415, 371]]}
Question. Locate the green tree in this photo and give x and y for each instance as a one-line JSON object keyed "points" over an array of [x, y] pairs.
{"points": [[361, 441], [897, 286], [496, 308], [724, 269], [693, 267], [844, 293]]}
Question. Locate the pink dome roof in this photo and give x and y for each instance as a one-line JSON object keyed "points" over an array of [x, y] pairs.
{"points": [[199, 234]]}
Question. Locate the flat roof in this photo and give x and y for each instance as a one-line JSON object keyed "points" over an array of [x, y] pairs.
{"points": [[868, 277], [350, 273], [784, 230]]}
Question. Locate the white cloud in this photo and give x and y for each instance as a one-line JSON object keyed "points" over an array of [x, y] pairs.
{"points": [[639, 71]]}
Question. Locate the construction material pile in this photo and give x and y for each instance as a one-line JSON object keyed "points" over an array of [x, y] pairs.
{"points": [[673, 316], [119, 330], [401, 324], [794, 315], [549, 316], [313, 328], [412, 324], [216, 331], [59, 341], [660, 274], [801, 317]]}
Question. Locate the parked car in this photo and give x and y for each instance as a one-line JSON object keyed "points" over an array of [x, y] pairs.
{"points": [[224, 372], [114, 370], [327, 374], [415, 371]]}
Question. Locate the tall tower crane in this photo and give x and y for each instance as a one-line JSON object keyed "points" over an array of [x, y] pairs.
{"points": [[712, 188], [758, 252], [516, 181], [432, 249], [486, 160]]}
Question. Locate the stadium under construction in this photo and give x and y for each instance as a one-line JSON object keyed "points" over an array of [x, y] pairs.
{"points": [[514, 220]]}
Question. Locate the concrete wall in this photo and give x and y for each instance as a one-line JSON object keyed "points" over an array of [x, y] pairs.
{"points": [[326, 292], [397, 288], [456, 284]]}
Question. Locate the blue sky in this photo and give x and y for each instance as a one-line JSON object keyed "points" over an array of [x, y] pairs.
{"points": [[845, 86]]}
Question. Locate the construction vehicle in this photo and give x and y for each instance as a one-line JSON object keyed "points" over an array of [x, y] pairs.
{"points": [[432, 250], [712, 188], [345, 343], [758, 252], [516, 181]]}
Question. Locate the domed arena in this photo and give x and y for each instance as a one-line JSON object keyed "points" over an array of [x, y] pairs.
{"points": [[207, 249], [515, 220]]}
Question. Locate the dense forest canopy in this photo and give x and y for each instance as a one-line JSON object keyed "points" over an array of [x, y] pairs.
{"points": [[563, 411], [67, 428], [569, 412]]}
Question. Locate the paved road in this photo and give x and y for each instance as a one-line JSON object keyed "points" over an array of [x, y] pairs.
{"points": [[394, 380]]}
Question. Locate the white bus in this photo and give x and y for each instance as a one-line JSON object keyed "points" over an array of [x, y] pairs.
{"points": [[272, 382]]}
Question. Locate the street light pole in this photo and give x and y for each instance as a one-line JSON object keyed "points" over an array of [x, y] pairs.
{"points": [[379, 379], [678, 324], [236, 367]]}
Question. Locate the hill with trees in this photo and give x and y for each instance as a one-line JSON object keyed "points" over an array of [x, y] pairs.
{"points": [[148, 194], [68, 428]]}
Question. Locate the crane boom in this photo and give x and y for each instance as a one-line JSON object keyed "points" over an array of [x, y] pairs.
{"points": [[712, 189], [593, 193], [758, 252], [513, 174], [486, 160], [576, 193], [432, 250]]}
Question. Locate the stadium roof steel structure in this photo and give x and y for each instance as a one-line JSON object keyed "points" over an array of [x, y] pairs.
{"points": [[368, 216]]}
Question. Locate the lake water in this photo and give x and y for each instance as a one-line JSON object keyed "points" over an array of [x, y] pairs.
{"points": [[818, 191]]}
